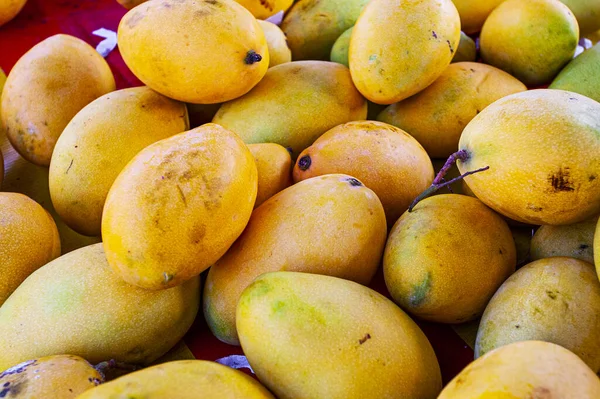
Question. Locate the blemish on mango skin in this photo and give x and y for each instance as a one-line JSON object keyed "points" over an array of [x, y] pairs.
{"points": [[561, 180], [420, 291], [364, 339]]}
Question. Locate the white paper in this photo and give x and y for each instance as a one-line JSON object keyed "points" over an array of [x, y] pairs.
{"points": [[108, 44], [235, 362]]}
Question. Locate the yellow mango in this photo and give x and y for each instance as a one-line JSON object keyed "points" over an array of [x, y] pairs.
{"points": [[530, 39], [542, 149], [178, 206], [294, 104], [473, 13], [263, 9], [51, 377], [587, 13], [399, 47], [467, 49], [437, 115], [445, 260], [274, 167], [184, 379], [129, 4], [530, 369], [386, 159], [28, 240], [53, 81], [326, 225], [279, 52], [2, 81], [97, 144], [575, 240], [76, 305], [597, 248], [9, 9], [311, 336], [204, 51], [555, 300]]}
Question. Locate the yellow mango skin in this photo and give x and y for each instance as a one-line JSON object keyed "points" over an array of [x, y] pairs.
{"points": [[437, 116], [10, 9], [597, 248], [178, 206], [541, 147], [575, 241], [274, 166], [555, 300], [51, 377], [205, 49], [279, 52], [294, 104], [184, 379], [97, 144], [53, 81], [342, 233], [76, 305], [445, 260], [587, 13], [263, 9], [467, 50], [311, 336], [399, 47], [386, 159], [2, 81], [530, 39], [530, 369], [129, 4], [473, 13], [28, 240]]}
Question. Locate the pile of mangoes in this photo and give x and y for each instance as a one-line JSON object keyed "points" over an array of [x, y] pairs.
{"points": [[265, 173]]}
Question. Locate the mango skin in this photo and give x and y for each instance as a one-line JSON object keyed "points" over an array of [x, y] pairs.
{"points": [[2, 81], [467, 50], [313, 26], [342, 233], [541, 147], [340, 49], [274, 166], [189, 196], [530, 369], [311, 336], [399, 47], [386, 159], [294, 104], [575, 241], [10, 9], [437, 116], [97, 144], [80, 307], [53, 81], [530, 39], [597, 248], [219, 38], [279, 52], [555, 300], [445, 260], [28, 240], [473, 13], [129, 4], [582, 75], [51, 377], [587, 13], [263, 9]]}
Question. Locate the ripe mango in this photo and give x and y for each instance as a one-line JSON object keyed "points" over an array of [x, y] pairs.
{"points": [[129, 4], [53, 81], [467, 50], [204, 51], [51, 377], [76, 305], [542, 149], [311, 336], [294, 104], [597, 248], [582, 75], [555, 300], [386, 159], [263, 9], [326, 225], [575, 240], [279, 52], [9, 9], [530, 369], [339, 51], [2, 81], [28, 240], [399, 47], [587, 13], [97, 144], [274, 166], [473, 13]]}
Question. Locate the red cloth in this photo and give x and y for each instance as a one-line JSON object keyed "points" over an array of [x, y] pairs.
{"points": [[43, 18]]}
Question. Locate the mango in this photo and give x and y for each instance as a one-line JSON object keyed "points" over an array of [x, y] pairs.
{"points": [[311, 336], [279, 52], [61, 70], [530, 39], [575, 241], [274, 167], [263, 9], [386, 159], [2, 81], [129, 4], [340, 49], [97, 144], [555, 300], [594, 37], [597, 248], [530, 369], [51, 377], [189, 197], [466, 51], [445, 260], [473, 13], [9, 9], [294, 104], [522, 237], [204, 52], [313, 26], [330, 225], [28, 240], [399, 47], [587, 13], [437, 116], [184, 379], [76, 305], [582, 75], [541, 147]]}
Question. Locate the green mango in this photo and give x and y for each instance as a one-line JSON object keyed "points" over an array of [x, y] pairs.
{"points": [[339, 51], [582, 75], [467, 50]]}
